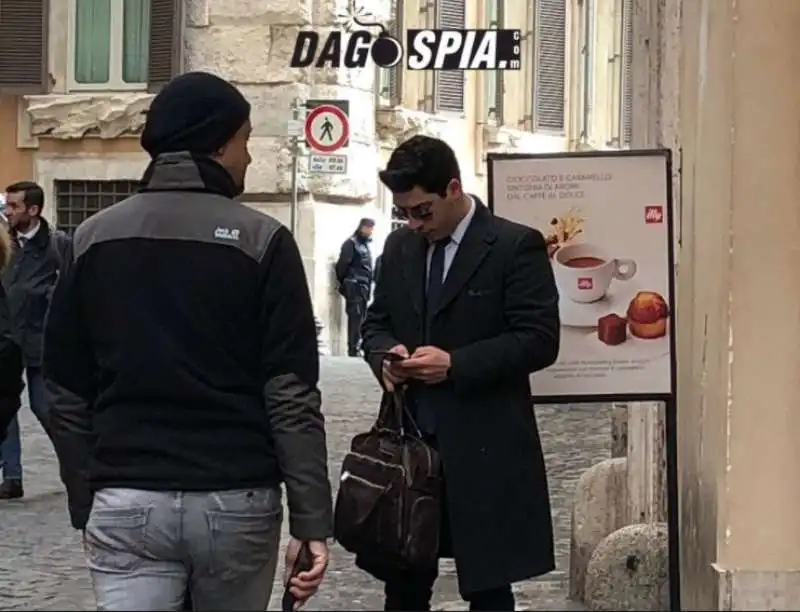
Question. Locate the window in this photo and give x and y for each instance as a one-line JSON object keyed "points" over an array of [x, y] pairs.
{"points": [[544, 51], [390, 80], [124, 44], [76, 201], [493, 79], [111, 43], [448, 85]]}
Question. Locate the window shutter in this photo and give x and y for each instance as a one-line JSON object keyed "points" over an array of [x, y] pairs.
{"points": [[494, 78], [549, 80], [395, 74], [23, 32], [627, 73], [166, 42], [449, 84]]}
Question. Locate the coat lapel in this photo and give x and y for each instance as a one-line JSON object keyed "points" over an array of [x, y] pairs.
{"points": [[415, 251], [471, 252]]}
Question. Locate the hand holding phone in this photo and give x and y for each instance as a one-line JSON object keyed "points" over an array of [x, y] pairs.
{"points": [[388, 356], [391, 374]]}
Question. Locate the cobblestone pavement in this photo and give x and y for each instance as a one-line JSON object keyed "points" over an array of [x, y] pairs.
{"points": [[41, 564]]}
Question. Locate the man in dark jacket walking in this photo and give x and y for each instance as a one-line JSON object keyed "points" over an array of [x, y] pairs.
{"points": [[190, 393], [354, 274], [10, 354], [29, 277]]}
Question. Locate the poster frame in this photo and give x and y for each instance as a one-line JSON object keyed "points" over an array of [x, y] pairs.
{"points": [[669, 399]]}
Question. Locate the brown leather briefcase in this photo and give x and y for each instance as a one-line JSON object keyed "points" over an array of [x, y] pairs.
{"points": [[389, 500]]}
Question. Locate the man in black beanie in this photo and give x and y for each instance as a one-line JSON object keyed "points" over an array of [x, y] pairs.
{"points": [[181, 357]]}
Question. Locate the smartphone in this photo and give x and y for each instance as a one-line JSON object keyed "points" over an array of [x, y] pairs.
{"points": [[388, 355], [303, 563]]}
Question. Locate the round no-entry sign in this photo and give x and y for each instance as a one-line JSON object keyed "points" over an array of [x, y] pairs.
{"points": [[327, 128]]}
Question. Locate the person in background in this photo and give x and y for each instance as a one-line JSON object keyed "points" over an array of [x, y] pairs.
{"points": [[468, 302], [29, 278], [11, 384], [191, 392], [354, 274]]}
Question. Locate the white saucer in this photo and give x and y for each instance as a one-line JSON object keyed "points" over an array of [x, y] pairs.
{"points": [[585, 342], [616, 300]]}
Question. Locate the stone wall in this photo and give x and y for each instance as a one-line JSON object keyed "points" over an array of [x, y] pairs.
{"points": [[250, 42]]}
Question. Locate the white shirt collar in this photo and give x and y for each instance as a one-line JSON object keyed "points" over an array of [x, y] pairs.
{"points": [[458, 234], [31, 232]]}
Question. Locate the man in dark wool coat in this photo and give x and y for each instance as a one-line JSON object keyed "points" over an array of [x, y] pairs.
{"points": [[469, 300]]}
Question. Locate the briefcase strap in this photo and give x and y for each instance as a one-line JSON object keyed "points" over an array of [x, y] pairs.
{"points": [[390, 417]]}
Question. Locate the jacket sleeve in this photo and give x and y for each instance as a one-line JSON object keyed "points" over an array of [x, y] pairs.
{"points": [[377, 333], [10, 380], [345, 258], [378, 264], [70, 377], [61, 244], [290, 367], [531, 342]]}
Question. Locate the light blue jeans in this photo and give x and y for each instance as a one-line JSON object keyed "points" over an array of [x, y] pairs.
{"points": [[146, 548]]}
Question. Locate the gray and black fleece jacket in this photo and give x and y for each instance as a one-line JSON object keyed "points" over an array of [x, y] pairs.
{"points": [[180, 350]]}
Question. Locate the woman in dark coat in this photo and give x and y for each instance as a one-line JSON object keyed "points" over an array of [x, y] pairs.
{"points": [[10, 354]]}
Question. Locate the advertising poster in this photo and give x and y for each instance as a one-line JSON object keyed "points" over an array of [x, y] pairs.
{"points": [[605, 219]]}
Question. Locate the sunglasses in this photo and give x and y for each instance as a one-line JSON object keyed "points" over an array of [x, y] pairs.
{"points": [[420, 212]]}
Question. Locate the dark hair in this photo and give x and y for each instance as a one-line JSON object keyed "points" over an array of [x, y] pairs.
{"points": [[33, 195], [365, 222], [424, 162]]}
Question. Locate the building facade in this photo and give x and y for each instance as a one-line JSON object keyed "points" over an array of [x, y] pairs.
{"points": [[74, 94]]}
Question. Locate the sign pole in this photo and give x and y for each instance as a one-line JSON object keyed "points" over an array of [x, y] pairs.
{"points": [[295, 201], [297, 134]]}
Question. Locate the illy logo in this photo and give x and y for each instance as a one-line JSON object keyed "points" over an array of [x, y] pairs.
{"points": [[653, 214], [223, 233], [585, 284]]}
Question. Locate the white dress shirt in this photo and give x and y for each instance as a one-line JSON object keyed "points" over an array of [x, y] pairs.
{"points": [[24, 237], [455, 240]]}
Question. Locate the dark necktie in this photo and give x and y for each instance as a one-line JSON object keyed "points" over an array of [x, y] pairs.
{"points": [[435, 282], [425, 398]]}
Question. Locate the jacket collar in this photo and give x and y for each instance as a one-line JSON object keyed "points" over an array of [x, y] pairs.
{"points": [[474, 246], [183, 171], [41, 239]]}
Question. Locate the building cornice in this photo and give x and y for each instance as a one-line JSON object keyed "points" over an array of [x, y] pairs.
{"points": [[76, 116]]}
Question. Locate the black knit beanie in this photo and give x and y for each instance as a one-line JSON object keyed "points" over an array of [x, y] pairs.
{"points": [[196, 112]]}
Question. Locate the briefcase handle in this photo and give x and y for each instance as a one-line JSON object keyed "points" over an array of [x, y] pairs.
{"points": [[393, 408]]}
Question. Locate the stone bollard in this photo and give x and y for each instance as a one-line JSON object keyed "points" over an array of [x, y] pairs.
{"points": [[598, 509], [629, 570]]}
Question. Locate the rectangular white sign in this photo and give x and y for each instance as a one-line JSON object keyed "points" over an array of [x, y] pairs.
{"points": [[295, 127], [606, 222], [327, 164]]}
